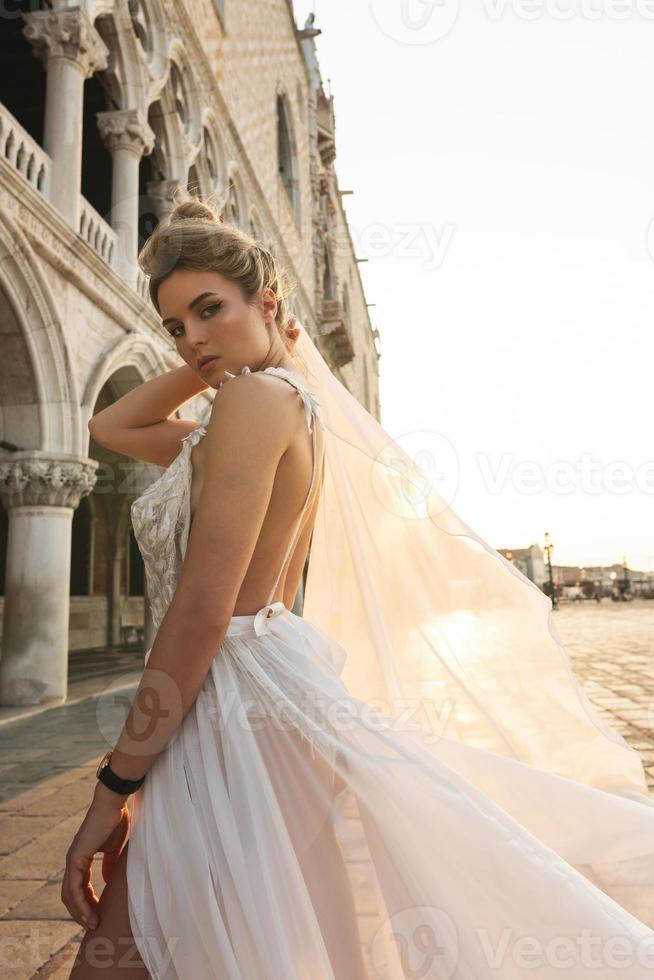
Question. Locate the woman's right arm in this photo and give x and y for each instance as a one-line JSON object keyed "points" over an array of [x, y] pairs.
{"points": [[138, 424]]}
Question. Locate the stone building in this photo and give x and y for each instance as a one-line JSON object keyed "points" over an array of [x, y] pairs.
{"points": [[106, 109], [529, 561]]}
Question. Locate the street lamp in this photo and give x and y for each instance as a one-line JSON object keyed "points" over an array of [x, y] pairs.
{"points": [[549, 548], [626, 584]]}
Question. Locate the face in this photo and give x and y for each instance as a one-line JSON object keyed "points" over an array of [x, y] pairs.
{"points": [[206, 314]]}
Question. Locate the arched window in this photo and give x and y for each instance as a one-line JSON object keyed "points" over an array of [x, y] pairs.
{"points": [[232, 209], [193, 184], [211, 158], [180, 97], [286, 153], [328, 275], [142, 27]]}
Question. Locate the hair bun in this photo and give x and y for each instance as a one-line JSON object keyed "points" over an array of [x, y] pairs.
{"points": [[194, 210]]}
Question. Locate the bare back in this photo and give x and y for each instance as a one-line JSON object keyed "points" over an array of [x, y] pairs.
{"points": [[294, 501]]}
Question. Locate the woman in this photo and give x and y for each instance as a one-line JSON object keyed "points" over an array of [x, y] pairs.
{"points": [[253, 751]]}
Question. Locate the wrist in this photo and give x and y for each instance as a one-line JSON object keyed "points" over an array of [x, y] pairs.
{"points": [[108, 798]]}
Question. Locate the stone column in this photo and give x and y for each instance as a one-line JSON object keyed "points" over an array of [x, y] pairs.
{"points": [[116, 558], [161, 192], [128, 136], [71, 50], [40, 491]]}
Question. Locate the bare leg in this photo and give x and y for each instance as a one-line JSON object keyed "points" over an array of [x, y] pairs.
{"points": [[110, 951], [310, 817], [329, 884]]}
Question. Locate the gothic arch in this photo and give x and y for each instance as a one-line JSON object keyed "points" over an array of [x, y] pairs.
{"points": [[129, 352], [51, 420]]}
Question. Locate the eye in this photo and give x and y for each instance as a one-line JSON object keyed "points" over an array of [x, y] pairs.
{"points": [[212, 306]]}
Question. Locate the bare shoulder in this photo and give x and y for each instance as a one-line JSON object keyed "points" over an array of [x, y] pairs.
{"points": [[253, 403]]}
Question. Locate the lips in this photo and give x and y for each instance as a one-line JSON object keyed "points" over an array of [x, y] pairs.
{"points": [[204, 361]]}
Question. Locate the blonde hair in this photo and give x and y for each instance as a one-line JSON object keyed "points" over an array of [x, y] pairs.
{"points": [[196, 237]]}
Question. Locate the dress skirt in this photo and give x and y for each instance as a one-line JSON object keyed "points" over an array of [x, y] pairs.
{"points": [[288, 831]]}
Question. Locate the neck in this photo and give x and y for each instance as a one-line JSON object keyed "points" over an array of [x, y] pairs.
{"points": [[278, 357]]}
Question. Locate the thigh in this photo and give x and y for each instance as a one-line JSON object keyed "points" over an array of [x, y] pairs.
{"points": [[110, 951]]}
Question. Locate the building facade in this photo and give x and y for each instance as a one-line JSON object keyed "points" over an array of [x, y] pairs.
{"points": [[107, 110], [529, 561]]}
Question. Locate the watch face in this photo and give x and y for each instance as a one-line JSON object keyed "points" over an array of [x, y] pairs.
{"points": [[103, 762]]}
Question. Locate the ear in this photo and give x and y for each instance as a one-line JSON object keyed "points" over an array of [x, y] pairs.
{"points": [[269, 303]]}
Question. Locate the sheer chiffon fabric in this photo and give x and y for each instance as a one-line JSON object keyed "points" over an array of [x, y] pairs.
{"points": [[237, 867], [481, 863]]}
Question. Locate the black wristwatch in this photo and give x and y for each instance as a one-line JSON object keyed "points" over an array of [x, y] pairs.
{"points": [[114, 782]]}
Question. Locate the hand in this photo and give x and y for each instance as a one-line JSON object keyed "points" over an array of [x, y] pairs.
{"points": [[104, 828]]}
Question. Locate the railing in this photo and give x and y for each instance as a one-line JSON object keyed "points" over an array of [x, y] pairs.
{"points": [[95, 230], [24, 153]]}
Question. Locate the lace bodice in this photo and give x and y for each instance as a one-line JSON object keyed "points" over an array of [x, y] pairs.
{"points": [[161, 516]]}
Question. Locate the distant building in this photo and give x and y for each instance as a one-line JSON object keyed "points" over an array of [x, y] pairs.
{"points": [[580, 580], [529, 561]]}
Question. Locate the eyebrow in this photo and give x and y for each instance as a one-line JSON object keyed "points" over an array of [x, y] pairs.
{"points": [[194, 302]]}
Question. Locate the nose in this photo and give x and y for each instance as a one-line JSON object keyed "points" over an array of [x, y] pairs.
{"points": [[196, 334]]}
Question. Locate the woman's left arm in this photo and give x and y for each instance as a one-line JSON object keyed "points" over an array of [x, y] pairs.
{"points": [[251, 425]]}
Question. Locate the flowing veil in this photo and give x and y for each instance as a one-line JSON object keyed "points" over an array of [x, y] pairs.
{"points": [[440, 631]]}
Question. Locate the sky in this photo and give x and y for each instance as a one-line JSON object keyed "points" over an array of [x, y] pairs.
{"points": [[501, 158]]}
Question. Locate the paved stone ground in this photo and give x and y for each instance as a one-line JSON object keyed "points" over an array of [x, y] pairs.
{"points": [[48, 763], [611, 645]]}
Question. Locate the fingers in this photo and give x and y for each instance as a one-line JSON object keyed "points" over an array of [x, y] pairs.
{"points": [[78, 896]]}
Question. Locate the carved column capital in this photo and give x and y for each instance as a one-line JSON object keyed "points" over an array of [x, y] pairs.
{"points": [[66, 33], [37, 478], [126, 129]]}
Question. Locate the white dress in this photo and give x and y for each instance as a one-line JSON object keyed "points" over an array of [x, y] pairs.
{"points": [[235, 866]]}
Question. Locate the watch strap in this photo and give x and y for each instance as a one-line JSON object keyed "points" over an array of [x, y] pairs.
{"points": [[107, 776]]}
